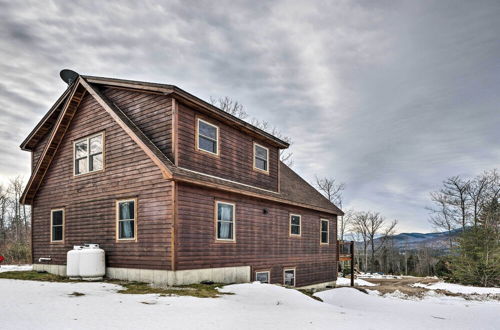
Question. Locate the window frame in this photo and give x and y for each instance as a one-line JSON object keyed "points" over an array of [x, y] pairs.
{"points": [[197, 137], [294, 269], [255, 144], [87, 157], [52, 225], [264, 271], [321, 231], [290, 225], [216, 222], [117, 216]]}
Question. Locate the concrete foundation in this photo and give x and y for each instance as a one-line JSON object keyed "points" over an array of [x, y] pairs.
{"points": [[165, 277], [319, 285]]}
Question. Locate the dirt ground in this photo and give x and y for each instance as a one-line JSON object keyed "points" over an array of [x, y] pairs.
{"points": [[402, 284]]}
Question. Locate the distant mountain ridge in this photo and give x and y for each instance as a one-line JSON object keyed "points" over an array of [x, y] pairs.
{"points": [[434, 240], [412, 241]]}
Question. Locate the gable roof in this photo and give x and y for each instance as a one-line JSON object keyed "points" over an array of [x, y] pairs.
{"points": [[294, 190]]}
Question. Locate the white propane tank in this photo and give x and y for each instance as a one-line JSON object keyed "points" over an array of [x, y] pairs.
{"points": [[92, 263], [73, 262]]}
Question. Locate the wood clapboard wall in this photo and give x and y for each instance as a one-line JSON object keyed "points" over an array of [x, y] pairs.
{"points": [[262, 240], [235, 161], [89, 200], [152, 113]]}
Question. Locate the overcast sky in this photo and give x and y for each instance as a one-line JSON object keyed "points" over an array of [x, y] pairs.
{"points": [[390, 97]]}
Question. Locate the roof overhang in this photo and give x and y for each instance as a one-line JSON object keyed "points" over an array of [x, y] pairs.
{"points": [[193, 101]]}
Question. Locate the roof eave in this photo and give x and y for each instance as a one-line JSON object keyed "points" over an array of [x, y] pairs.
{"points": [[182, 95]]}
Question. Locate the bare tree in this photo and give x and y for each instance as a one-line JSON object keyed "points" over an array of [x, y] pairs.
{"points": [[236, 109], [441, 215], [230, 106], [333, 191], [360, 228], [455, 190], [477, 190], [377, 225]]}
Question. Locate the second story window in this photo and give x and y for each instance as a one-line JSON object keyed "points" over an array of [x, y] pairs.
{"points": [[88, 154], [260, 158], [295, 225], [207, 137], [324, 231]]}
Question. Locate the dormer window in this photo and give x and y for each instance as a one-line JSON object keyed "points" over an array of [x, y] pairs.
{"points": [[260, 158], [207, 137], [88, 154]]}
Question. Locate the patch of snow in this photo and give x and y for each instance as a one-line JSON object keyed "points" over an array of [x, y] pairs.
{"points": [[15, 268], [372, 311], [45, 305], [341, 281], [378, 276], [457, 288]]}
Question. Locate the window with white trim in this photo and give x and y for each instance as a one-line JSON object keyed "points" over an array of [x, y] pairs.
{"points": [[208, 136], [262, 277], [289, 277], [260, 157], [57, 225], [225, 221], [126, 217], [295, 220], [88, 154], [325, 236]]}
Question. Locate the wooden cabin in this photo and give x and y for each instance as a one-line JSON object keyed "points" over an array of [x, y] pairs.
{"points": [[175, 191]]}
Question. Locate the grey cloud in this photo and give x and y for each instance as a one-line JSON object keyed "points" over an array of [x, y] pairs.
{"points": [[390, 97]]}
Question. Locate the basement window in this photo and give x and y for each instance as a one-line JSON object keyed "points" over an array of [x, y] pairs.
{"points": [[57, 225], [260, 158], [289, 276], [324, 231], [126, 220], [207, 137], [225, 221], [262, 277], [88, 154], [295, 224]]}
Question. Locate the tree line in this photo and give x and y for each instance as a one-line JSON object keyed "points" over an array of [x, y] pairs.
{"points": [[15, 223]]}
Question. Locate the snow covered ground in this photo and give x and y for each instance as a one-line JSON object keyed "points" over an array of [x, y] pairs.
{"points": [[43, 305], [378, 276], [456, 288], [11, 268], [341, 281]]}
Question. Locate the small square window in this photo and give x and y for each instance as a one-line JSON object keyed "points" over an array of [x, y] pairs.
{"points": [[88, 154], [262, 277]]}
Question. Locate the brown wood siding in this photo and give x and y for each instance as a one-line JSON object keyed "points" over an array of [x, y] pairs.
{"points": [[152, 113], [262, 240], [89, 200], [235, 161], [38, 150]]}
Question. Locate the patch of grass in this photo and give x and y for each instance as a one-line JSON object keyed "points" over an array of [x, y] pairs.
{"points": [[76, 294], [34, 276], [310, 293], [193, 290]]}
